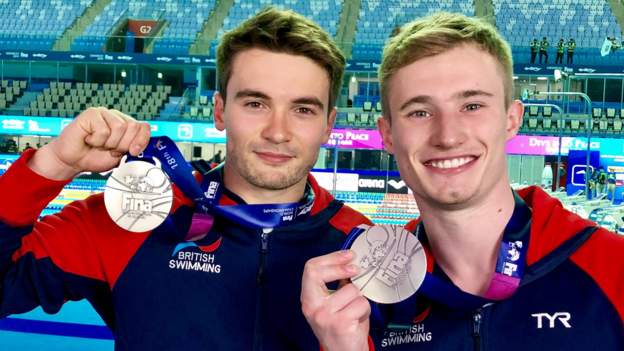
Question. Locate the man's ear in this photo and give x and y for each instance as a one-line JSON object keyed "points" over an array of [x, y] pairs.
{"points": [[331, 119], [219, 111], [515, 113], [385, 130]]}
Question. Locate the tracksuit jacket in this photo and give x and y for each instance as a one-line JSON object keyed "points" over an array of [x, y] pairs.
{"points": [[570, 298], [155, 291]]}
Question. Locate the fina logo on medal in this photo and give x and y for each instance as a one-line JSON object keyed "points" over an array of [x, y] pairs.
{"points": [[138, 195], [392, 262]]}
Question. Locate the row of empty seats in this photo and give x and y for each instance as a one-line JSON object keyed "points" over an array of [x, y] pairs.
{"points": [[67, 99], [64, 99], [200, 110], [325, 13], [572, 125], [10, 91], [352, 118], [378, 20], [35, 25], [184, 19]]}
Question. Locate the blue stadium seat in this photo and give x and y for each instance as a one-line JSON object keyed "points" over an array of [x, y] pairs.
{"points": [[587, 21], [184, 18], [42, 21], [373, 30], [325, 13]]}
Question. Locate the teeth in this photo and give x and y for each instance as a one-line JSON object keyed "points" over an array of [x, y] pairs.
{"points": [[453, 163]]}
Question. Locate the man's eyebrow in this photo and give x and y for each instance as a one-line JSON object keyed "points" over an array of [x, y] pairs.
{"points": [[251, 93], [310, 100], [419, 99], [471, 93]]}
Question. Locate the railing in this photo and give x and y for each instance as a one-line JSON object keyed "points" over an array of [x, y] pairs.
{"points": [[589, 124], [560, 111]]}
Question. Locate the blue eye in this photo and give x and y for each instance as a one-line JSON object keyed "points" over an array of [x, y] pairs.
{"points": [[419, 114]]}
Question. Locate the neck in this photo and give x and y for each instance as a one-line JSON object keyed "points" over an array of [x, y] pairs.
{"points": [[465, 242], [253, 194]]}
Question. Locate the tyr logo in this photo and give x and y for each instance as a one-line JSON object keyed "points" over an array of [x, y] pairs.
{"points": [[563, 317]]}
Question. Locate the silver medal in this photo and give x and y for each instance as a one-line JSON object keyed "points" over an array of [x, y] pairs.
{"points": [[392, 263], [138, 195]]}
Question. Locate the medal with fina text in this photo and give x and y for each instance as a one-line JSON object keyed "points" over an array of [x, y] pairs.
{"points": [[392, 262], [138, 195]]}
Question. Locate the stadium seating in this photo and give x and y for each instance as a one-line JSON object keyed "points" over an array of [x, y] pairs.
{"points": [[35, 25], [10, 91], [357, 118], [325, 13], [378, 19], [380, 208], [184, 19], [65, 99], [200, 109], [589, 22]]}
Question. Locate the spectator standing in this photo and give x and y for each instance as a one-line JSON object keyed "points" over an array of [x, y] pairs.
{"points": [[534, 48], [544, 51], [560, 49], [571, 47], [217, 157], [602, 181], [611, 185]]}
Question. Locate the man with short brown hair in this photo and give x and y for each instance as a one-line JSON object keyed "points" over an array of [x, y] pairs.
{"points": [[222, 272]]}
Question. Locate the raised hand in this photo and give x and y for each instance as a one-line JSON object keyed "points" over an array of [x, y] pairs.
{"points": [[340, 319], [94, 141]]}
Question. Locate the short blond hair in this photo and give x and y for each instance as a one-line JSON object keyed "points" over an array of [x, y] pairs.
{"points": [[436, 34], [282, 31]]}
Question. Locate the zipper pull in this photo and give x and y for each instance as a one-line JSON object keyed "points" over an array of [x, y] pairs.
{"points": [[476, 329], [264, 240], [264, 249]]}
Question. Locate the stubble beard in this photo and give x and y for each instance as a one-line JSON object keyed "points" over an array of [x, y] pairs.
{"points": [[283, 177]]}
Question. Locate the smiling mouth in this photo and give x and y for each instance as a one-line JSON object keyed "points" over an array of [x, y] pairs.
{"points": [[450, 163]]}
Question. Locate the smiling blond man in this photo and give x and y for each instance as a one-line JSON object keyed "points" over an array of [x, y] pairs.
{"points": [[510, 270]]}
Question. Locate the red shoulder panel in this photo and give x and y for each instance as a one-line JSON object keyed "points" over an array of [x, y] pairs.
{"points": [[551, 224], [411, 225], [83, 240], [26, 193], [346, 218], [601, 258], [322, 197]]}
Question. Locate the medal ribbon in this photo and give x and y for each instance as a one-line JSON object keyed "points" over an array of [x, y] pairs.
{"points": [[505, 281], [206, 196]]}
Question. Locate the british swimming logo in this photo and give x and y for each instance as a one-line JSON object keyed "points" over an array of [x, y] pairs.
{"points": [[188, 256]]}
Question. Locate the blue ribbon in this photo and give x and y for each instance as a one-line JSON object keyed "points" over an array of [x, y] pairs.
{"points": [[206, 196], [445, 292]]}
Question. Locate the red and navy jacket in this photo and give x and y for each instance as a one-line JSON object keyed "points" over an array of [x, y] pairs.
{"points": [[570, 298], [152, 289]]}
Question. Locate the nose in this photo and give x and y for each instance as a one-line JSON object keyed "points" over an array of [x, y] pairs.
{"points": [[277, 129], [448, 131]]}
